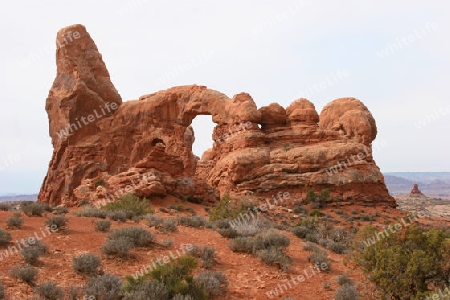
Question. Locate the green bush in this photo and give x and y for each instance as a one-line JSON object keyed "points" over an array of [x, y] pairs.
{"points": [[58, 221], [91, 212], [176, 276], [33, 251], [416, 258], [271, 238], [275, 256], [15, 221], [242, 244], [139, 236], [104, 287], [26, 274], [5, 237], [87, 264], [229, 233], [228, 209], [50, 291], [130, 203], [102, 225]]}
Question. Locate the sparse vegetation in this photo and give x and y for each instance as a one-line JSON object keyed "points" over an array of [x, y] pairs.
{"points": [[91, 212], [214, 282], [57, 222], [118, 215], [267, 245], [60, 210], [194, 221], [228, 208], [50, 291], [34, 208], [104, 287], [130, 204], [87, 264], [168, 225], [103, 225], [33, 251], [5, 237], [173, 278], [347, 292], [139, 236], [26, 274], [118, 247], [15, 221]]}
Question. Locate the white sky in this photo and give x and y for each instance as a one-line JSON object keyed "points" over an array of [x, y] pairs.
{"points": [[274, 50]]}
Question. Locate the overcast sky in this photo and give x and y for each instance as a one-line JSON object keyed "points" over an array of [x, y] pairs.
{"points": [[392, 55]]}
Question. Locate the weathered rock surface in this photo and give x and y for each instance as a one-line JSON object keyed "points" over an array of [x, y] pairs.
{"points": [[145, 146]]}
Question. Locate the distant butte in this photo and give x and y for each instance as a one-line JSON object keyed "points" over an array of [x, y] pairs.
{"points": [[104, 147], [415, 192]]}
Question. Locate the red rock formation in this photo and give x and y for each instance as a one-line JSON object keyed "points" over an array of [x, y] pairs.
{"points": [[145, 146], [415, 192]]}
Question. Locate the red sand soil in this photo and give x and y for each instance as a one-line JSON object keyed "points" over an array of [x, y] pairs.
{"points": [[249, 278]]}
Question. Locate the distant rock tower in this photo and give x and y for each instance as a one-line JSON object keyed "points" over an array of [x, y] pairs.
{"points": [[415, 192]]}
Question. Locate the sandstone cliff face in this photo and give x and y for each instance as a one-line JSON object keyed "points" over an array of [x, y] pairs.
{"points": [[104, 148]]}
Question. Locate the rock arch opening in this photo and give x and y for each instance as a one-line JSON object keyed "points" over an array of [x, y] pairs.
{"points": [[203, 127]]}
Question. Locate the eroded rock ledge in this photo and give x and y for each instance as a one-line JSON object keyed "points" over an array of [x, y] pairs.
{"points": [[104, 147]]}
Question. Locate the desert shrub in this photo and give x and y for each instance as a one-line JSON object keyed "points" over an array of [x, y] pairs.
{"points": [[353, 212], [102, 225], [4, 207], [58, 221], [33, 251], [346, 292], [119, 246], [319, 258], [130, 203], [91, 212], [33, 209], [153, 220], [415, 257], [104, 287], [208, 257], [5, 237], [60, 210], [26, 274], [176, 276], [74, 292], [311, 247], [312, 237], [87, 264], [246, 228], [167, 242], [301, 231], [311, 223], [242, 244], [148, 290], [228, 209], [222, 224], [214, 282], [118, 215], [168, 225], [336, 247], [194, 221], [343, 279], [182, 297], [191, 211], [139, 236], [275, 256], [50, 291], [15, 221], [271, 238], [229, 233], [316, 213]]}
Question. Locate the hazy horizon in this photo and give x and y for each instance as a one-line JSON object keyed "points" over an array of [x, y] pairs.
{"points": [[391, 56]]}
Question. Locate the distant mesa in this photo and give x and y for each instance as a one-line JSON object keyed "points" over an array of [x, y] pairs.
{"points": [[415, 192], [104, 147]]}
